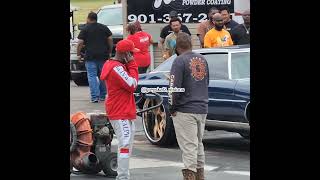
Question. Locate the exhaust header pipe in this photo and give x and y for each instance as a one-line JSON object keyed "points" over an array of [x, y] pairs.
{"points": [[89, 162]]}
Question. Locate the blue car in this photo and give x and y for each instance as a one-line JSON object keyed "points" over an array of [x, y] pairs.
{"points": [[229, 94]]}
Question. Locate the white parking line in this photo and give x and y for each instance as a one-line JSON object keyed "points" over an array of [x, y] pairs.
{"points": [[245, 173], [136, 163]]}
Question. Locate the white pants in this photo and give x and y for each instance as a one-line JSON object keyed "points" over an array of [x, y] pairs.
{"points": [[124, 130]]}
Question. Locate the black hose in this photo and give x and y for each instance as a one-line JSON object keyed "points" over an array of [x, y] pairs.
{"points": [[153, 107], [74, 139], [141, 97]]}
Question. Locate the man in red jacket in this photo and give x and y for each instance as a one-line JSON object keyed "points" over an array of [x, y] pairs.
{"points": [[121, 77]]}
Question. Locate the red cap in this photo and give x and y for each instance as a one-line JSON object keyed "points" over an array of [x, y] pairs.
{"points": [[126, 45]]}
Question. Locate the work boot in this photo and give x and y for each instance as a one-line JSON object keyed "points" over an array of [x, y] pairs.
{"points": [[188, 174], [200, 174]]}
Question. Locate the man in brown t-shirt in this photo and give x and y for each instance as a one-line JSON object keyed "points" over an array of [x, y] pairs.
{"points": [[206, 25]]}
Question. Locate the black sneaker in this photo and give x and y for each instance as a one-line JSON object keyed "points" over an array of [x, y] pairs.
{"points": [[94, 101]]}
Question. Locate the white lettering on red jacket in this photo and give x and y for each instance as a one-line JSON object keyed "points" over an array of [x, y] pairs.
{"points": [[144, 39], [124, 75]]}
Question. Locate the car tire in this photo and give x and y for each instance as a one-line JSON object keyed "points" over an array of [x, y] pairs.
{"points": [[81, 81], [71, 167], [162, 133], [73, 137], [110, 165]]}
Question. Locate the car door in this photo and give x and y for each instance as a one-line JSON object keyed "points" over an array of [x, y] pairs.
{"points": [[240, 71], [221, 88]]}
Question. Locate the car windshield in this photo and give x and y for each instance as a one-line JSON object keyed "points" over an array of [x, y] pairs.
{"points": [[240, 65], [110, 16], [166, 65]]}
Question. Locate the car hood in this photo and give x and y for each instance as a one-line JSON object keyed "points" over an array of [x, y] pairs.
{"points": [[152, 80], [152, 77]]}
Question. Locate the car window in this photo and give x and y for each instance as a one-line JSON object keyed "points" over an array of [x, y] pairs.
{"points": [[240, 65], [218, 66], [166, 65], [110, 16]]}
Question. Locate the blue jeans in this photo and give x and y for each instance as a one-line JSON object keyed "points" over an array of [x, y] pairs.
{"points": [[97, 87]]}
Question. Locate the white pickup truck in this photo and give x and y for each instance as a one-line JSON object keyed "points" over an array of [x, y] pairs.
{"points": [[111, 16]]}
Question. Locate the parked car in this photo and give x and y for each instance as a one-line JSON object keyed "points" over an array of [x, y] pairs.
{"points": [[111, 16], [229, 94], [72, 30]]}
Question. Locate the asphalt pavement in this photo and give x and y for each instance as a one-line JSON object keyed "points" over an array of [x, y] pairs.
{"points": [[227, 154]]}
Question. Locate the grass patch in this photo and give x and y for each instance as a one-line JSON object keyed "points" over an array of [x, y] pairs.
{"points": [[85, 6]]}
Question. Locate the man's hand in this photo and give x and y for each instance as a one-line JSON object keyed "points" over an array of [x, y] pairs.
{"points": [[160, 44], [166, 55], [80, 46], [110, 44], [129, 57]]}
